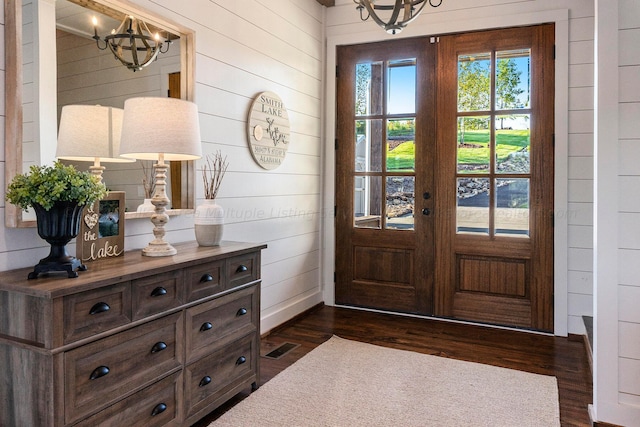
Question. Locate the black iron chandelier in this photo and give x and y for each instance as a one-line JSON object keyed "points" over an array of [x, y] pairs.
{"points": [[132, 43], [410, 10]]}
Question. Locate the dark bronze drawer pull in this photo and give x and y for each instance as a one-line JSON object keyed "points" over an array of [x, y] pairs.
{"points": [[241, 268], [160, 408], [206, 278], [100, 371], [158, 347], [204, 381], [158, 292], [241, 360], [241, 312], [100, 307], [206, 326]]}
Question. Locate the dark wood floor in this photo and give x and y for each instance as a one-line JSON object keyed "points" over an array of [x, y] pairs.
{"points": [[562, 357]]}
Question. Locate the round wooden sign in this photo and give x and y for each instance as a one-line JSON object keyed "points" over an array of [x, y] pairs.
{"points": [[269, 130]]}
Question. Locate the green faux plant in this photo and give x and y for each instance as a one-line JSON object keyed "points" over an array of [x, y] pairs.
{"points": [[45, 185]]}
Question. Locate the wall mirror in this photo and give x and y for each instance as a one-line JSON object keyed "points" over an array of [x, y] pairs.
{"points": [[52, 61]]}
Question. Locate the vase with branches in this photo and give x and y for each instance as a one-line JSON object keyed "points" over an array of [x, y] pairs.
{"points": [[148, 185], [209, 215]]}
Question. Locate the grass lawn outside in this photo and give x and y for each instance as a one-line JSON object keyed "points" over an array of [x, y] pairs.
{"points": [[508, 141]]}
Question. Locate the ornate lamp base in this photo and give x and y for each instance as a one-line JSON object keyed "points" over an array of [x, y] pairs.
{"points": [[159, 249], [158, 246]]}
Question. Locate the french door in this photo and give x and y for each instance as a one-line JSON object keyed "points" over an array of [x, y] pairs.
{"points": [[444, 176]]}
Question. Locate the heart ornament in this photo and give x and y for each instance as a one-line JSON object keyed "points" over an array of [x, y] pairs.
{"points": [[91, 219]]}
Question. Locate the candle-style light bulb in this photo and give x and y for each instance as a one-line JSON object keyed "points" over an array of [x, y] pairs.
{"points": [[94, 20]]}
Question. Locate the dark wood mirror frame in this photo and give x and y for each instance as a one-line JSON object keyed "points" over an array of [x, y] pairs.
{"points": [[182, 171]]}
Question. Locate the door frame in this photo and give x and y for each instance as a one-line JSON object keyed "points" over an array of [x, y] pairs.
{"points": [[444, 25]]}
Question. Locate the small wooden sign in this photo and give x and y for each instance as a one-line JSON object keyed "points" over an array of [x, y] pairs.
{"points": [[102, 229], [269, 130]]}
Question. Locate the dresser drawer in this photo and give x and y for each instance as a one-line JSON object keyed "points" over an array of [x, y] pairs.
{"points": [[243, 269], [218, 322], [155, 294], [156, 405], [98, 373], [92, 312], [204, 280], [220, 373]]}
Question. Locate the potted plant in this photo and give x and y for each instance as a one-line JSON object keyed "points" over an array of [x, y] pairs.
{"points": [[209, 216], [57, 194]]}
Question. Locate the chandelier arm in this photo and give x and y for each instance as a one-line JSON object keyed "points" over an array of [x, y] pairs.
{"points": [[412, 17], [396, 11], [98, 40], [116, 49], [134, 54], [373, 15]]}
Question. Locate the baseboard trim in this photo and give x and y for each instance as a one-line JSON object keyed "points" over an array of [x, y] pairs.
{"points": [[281, 313], [293, 320], [600, 424]]}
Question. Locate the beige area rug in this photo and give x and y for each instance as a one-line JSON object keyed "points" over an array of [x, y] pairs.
{"points": [[348, 383]]}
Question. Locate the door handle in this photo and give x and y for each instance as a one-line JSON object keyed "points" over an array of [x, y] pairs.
{"points": [[426, 211]]}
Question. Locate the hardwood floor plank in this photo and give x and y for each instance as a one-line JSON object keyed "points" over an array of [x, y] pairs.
{"points": [[539, 354]]}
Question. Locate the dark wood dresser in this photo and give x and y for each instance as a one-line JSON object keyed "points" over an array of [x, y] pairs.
{"points": [[133, 341]]}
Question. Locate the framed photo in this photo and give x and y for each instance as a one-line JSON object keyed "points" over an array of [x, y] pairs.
{"points": [[102, 229]]}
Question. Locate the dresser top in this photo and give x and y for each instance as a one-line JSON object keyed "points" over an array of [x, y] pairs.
{"points": [[130, 266]]}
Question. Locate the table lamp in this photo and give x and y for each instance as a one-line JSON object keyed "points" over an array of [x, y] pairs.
{"points": [[90, 133], [161, 129]]}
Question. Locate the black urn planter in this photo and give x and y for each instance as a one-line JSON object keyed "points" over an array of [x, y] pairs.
{"points": [[58, 226]]}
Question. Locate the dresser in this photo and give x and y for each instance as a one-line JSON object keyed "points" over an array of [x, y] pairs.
{"points": [[133, 341]]}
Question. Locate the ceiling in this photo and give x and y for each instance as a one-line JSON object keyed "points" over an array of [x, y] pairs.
{"points": [[327, 3]]}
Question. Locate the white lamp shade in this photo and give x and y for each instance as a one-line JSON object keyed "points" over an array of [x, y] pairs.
{"points": [[153, 126], [88, 132]]}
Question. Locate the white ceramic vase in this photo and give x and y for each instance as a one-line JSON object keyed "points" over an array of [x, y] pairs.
{"points": [[209, 223], [147, 206]]}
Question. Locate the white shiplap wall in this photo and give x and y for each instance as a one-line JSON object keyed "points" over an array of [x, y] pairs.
{"points": [[243, 48], [617, 351]]}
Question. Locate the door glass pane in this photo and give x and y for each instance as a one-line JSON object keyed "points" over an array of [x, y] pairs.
{"points": [[513, 140], [474, 152], [512, 206], [368, 89], [368, 152], [401, 147], [400, 202], [367, 203], [474, 82], [472, 212], [401, 98], [513, 79]]}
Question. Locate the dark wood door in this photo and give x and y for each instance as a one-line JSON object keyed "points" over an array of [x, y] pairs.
{"points": [[384, 183], [495, 176], [178, 200], [480, 166]]}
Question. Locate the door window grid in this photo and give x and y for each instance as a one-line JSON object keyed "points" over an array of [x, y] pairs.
{"points": [[493, 143], [385, 174]]}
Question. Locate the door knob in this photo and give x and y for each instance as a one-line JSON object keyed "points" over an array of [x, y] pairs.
{"points": [[426, 211]]}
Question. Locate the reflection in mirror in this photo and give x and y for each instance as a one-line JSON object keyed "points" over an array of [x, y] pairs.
{"points": [[63, 66], [90, 76]]}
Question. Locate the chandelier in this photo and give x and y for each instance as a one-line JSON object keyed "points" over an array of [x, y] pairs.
{"points": [[132, 43], [410, 10]]}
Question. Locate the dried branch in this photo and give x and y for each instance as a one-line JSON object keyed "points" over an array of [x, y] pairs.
{"points": [[212, 173], [148, 178]]}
